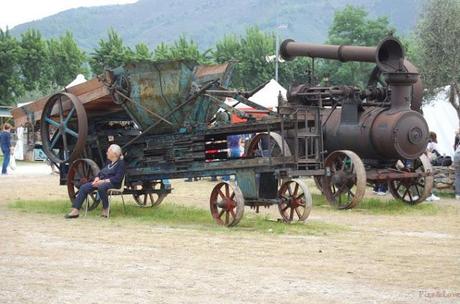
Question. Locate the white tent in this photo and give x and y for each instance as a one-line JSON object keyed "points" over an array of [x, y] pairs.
{"points": [[79, 79], [267, 96], [443, 120]]}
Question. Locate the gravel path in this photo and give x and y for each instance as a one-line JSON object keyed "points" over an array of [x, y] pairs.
{"points": [[382, 259]]}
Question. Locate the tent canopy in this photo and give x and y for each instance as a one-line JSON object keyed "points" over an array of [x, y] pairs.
{"points": [[266, 97], [443, 120]]}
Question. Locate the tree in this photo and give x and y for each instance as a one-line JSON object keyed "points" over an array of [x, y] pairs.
{"points": [[110, 53], [65, 60], [352, 26], [438, 38], [142, 52], [11, 85], [181, 49], [251, 52], [34, 60]]}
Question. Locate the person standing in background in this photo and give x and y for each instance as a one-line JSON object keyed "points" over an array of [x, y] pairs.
{"points": [[5, 142], [432, 152]]}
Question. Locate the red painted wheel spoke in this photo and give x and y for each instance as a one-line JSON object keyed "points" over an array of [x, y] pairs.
{"points": [[232, 212], [299, 214], [300, 196], [291, 215], [285, 208], [145, 199], [152, 200], [289, 190], [226, 218], [283, 196], [296, 189], [232, 196], [227, 190], [222, 195], [221, 213]]}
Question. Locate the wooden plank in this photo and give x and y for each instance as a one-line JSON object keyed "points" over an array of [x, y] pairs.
{"points": [[92, 93]]}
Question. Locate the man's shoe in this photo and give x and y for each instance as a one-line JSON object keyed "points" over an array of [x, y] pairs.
{"points": [[71, 216]]}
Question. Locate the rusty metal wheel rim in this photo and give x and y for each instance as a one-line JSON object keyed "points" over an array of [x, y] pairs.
{"points": [[295, 200], [413, 191], [73, 140], [148, 199], [318, 182], [226, 199], [345, 187], [80, 172], [275, 146]]}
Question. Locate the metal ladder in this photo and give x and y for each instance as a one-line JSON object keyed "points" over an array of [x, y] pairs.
{"points": [[309, 138]]}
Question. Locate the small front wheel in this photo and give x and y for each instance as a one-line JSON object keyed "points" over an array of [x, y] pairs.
{"points": [[295, 201], [226, 204]]}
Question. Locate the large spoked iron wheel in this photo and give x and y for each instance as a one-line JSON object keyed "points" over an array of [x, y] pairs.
{"points": [[146, 198], [413, 190], [264, 145], [345, 186], [226, 204], [80, 172], [64, 128], [295, 201]]}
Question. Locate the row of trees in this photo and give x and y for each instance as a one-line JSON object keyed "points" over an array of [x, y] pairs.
{"points": [[33, 65]]}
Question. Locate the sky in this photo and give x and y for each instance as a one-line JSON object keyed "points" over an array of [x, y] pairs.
{"points": [[14, 12]]}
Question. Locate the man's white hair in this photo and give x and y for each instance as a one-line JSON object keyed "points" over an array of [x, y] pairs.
{"points": [[117, 150]]}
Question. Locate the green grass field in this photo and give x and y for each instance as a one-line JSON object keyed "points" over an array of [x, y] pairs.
{"points": [[176, 215], [377, 206], [184, 216]]}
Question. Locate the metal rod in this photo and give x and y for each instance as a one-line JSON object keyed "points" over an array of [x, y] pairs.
{"points": [[191, 98]]}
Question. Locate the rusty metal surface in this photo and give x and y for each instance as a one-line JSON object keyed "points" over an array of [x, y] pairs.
{"points": [[296, 201], [387, 54], [163, 86], [92, 94], [344, 184]]}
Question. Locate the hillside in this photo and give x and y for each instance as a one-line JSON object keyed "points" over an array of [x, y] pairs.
{"points": [[205, 21]]}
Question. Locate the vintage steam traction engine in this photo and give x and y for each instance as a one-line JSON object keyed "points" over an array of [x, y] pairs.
{"points": [[165, 115], [380, 124]]}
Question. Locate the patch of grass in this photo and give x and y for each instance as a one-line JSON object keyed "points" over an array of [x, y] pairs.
{"points": [[445, 193], [377, 206], [185, 216]]}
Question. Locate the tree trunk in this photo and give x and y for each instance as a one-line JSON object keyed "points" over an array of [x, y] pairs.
{"points": [[454, 98]]}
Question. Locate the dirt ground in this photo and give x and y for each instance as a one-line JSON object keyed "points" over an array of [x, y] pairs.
{"points": [[380, 259]]}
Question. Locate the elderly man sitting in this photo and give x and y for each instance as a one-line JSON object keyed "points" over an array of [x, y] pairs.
{"points": [[109, 177]]}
